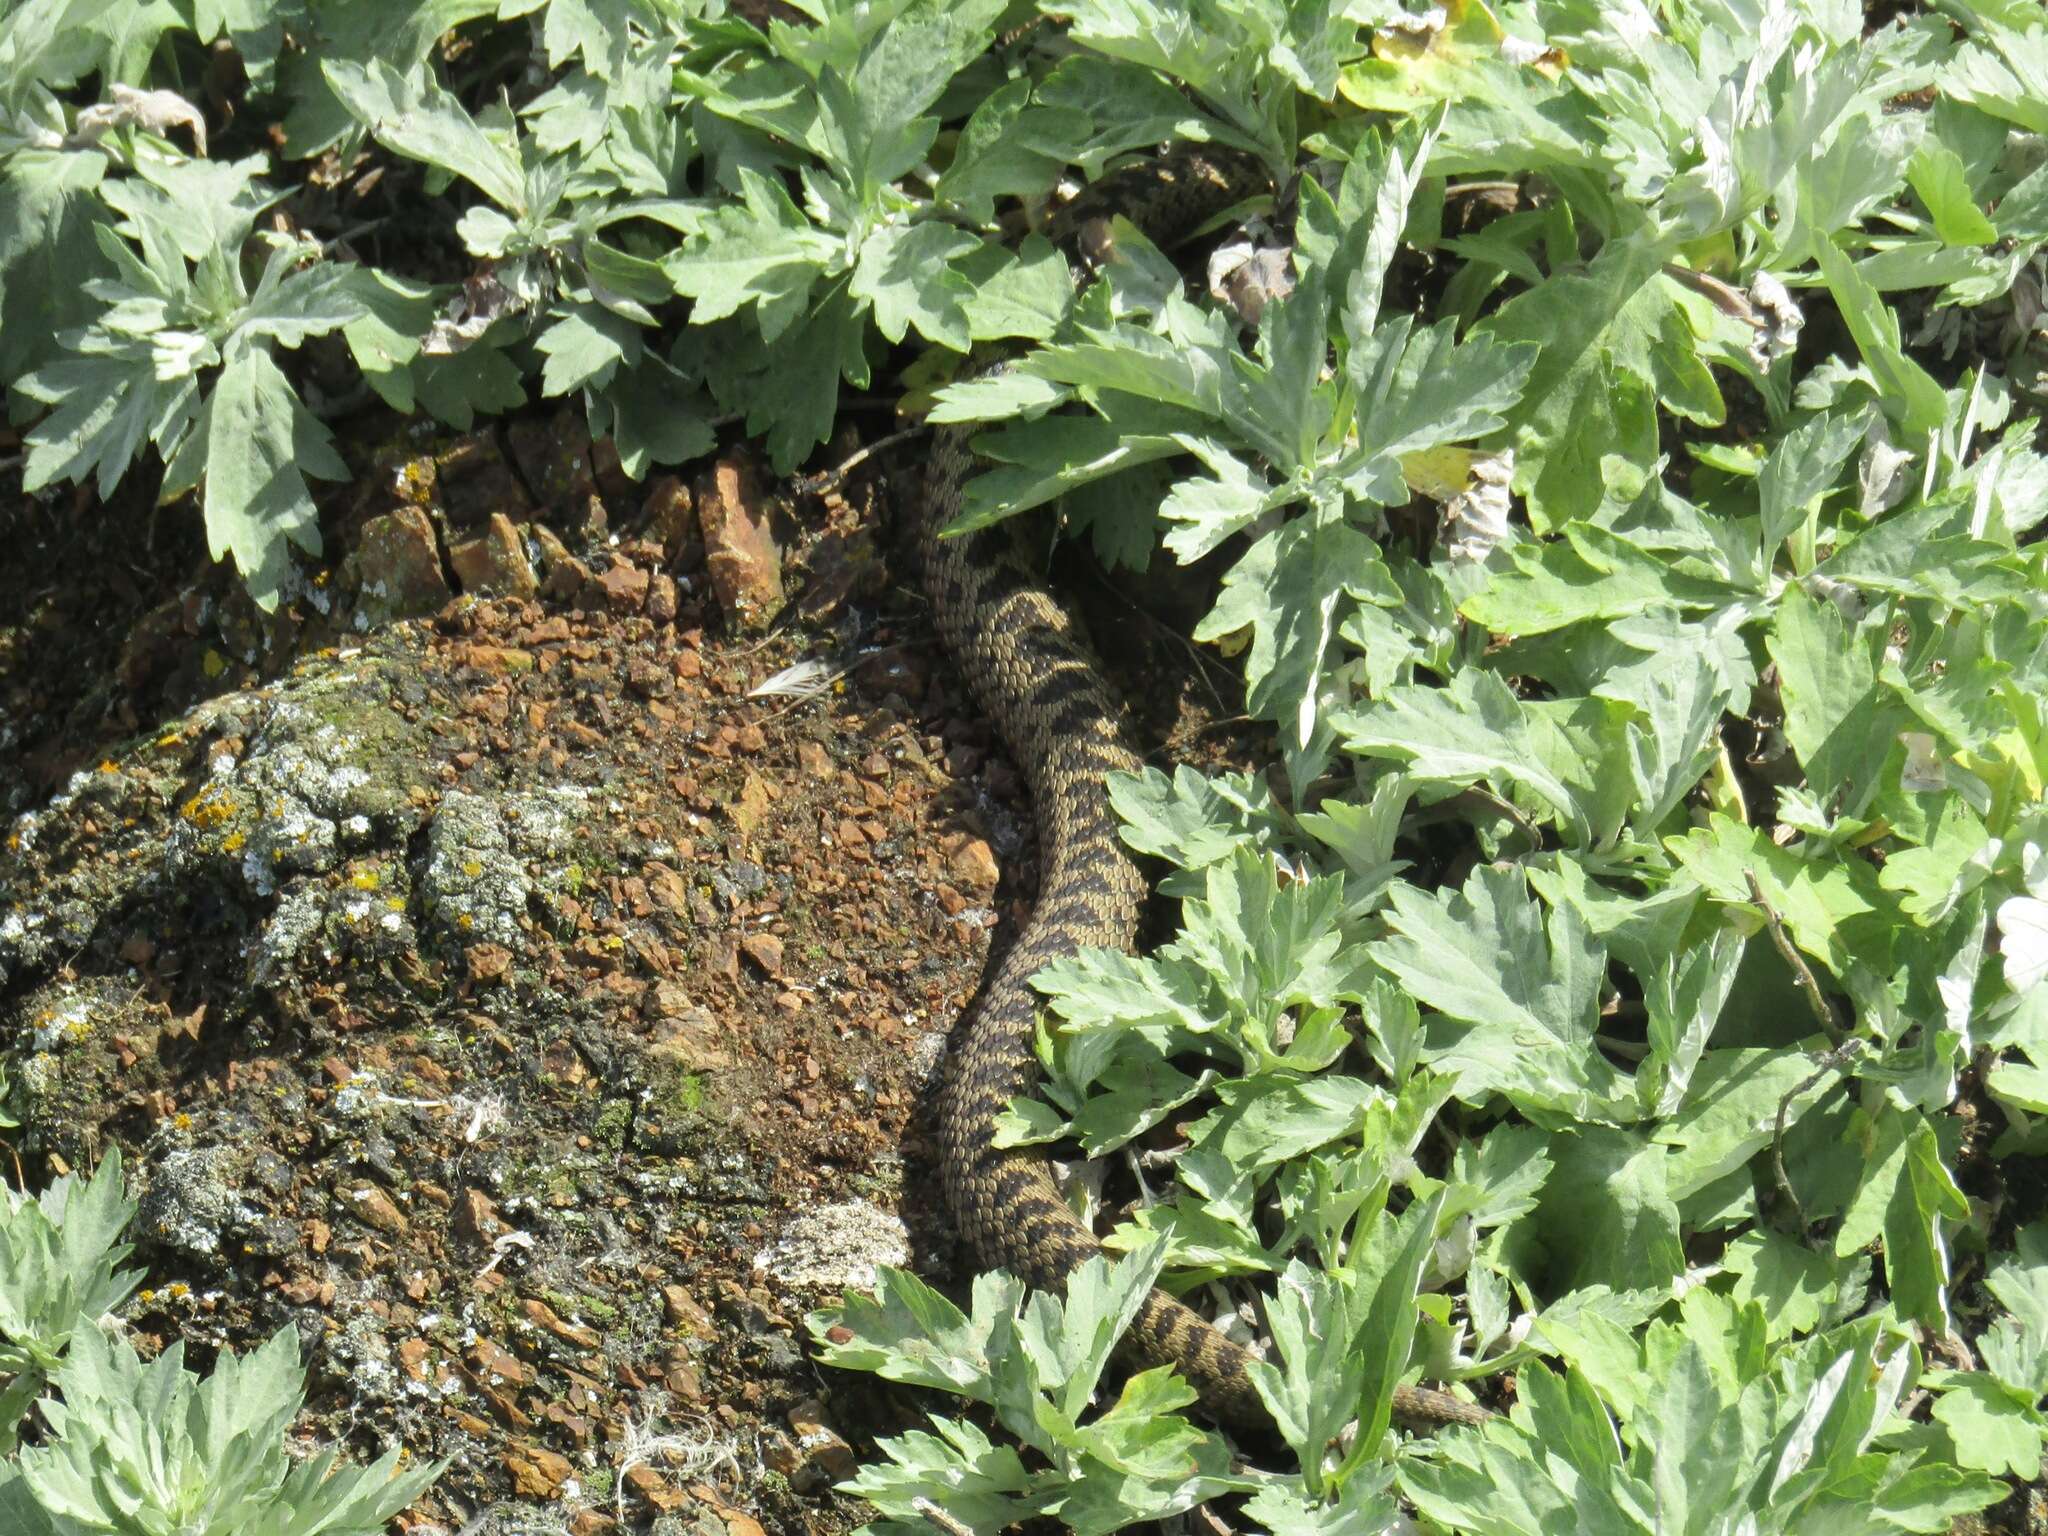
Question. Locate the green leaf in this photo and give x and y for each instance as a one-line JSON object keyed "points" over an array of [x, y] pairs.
{"points": [[1426, 389], [1789, 1281], [908, 1332], [1943, 182], [984, 1486], [762, 251], [106, 403], [1911, 396], [1994, 1431], [1836, 718], [906, 272], [259, 443], [1905, 1194], [1289, 589], [1609, 1190], [584, 345], [1472, 731], [1802, 467], [1519, 993], [411, 115]]}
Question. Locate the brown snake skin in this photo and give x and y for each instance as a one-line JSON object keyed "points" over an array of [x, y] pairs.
{"points": [[1031, 670]]}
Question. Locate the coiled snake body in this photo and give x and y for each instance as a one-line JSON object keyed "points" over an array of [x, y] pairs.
{"points": [[1022, 654]]}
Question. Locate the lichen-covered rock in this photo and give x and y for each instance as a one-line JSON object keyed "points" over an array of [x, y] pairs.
{"points": [[488, 858], [66, 1055], [332, 769], [398, 568], [191, 1197]]}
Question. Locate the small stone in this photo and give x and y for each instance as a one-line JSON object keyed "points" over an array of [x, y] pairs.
{"points": [[412, 1358], [495, 1363], [488, 964], [494, 564], [684, 1311], [374, 1209], [398, 567], [752, 804], [537, 1472], [824, 1457], [651, 1486], [562, 574], [692, 1041], [543, 1316], [473, 480], [740, 549], [661, 599], [624, 586], [649, 678], [477, 1217], [765, 950], [814, 759], [973, 863]]}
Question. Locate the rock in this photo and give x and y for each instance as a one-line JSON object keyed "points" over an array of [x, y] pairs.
{"points": [[562, 574], [494, 564], [651, 1486], [765, 950], [476, 1217], [488, 964], [373, 1208], [973, 863], [671, 514], [740, 550], [649, 678], [624, 586], [662, 606], [543, 1316], [554, 456], [398, 567], [537, 1472], [836, 1247], [691, 1039], [752, 803], [684, 1311], [824, 1457], [189, 1197]]}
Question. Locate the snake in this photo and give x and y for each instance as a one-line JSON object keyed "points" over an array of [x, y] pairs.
{"points": [[1028, 664]]}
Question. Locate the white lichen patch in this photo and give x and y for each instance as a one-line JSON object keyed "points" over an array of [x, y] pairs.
{"points": [[487, 856], [838, 1247]]}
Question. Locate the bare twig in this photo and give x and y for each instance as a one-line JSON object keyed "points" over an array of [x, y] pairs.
{"points": [[939, 1519], [1832, 1061], [1476, 188], [1729, 300], [1801, 971], [825, 480]]}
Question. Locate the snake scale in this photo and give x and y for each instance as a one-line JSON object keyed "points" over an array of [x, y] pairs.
{"points": [[1031, 670]]}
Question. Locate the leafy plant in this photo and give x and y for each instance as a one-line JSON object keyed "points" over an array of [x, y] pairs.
{"points": [[1613, 435], [137, 1447], [132, 1448]]}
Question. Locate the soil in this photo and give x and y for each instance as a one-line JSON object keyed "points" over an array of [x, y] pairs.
{"points": [[512, 999]]}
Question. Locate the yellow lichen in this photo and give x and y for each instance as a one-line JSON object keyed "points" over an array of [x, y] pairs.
{"points": [[209, 808]]}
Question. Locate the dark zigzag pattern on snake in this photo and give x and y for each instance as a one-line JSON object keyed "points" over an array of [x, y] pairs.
{"points": [[1023, 655]]}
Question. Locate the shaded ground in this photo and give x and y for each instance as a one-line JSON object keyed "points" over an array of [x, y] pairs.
{"points": [[505, 999]]}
